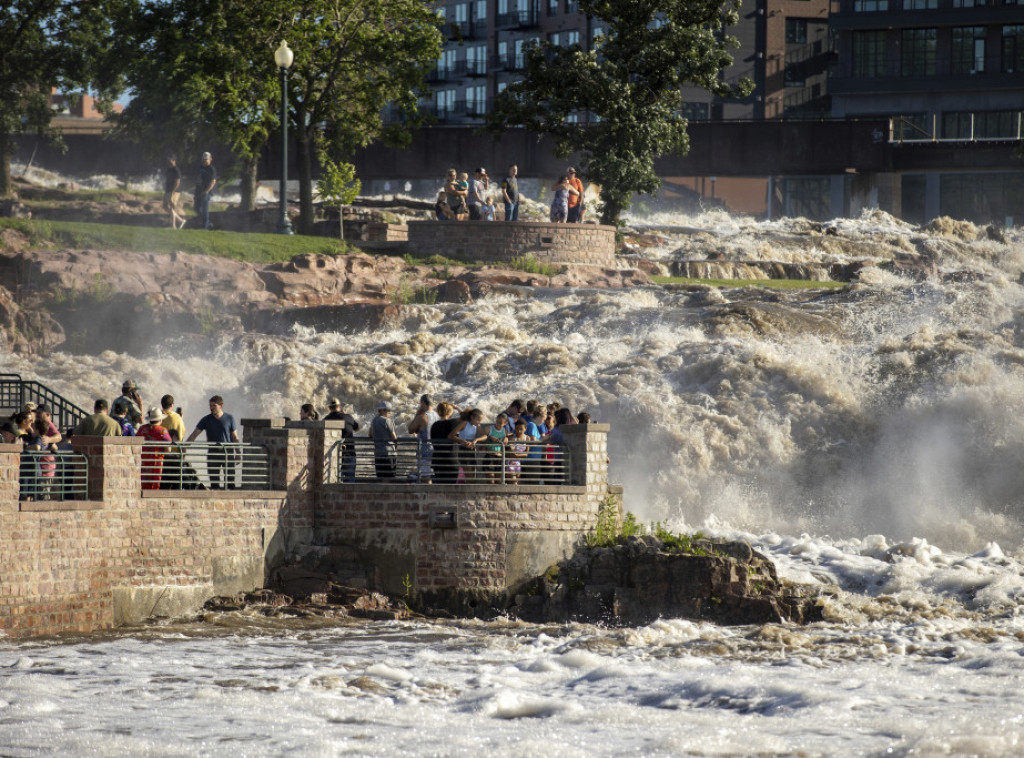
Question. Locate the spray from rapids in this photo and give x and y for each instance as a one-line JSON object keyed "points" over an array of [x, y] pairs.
{"points": [[887, 407]]}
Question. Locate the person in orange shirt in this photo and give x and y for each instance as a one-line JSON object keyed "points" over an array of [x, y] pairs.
{"points": [[575, 215]]}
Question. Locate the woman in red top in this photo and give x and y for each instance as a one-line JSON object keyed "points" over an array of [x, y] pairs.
{"points": [[153, 455]]}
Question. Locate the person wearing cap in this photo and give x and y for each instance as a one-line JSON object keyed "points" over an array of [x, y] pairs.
{"points": [[420, 426], [220, 429], [205, 182], [385, 442], [510, 193], [575, 210], [172, 182], [477, 190], [153, 454], [131, 398], [348, 450]]}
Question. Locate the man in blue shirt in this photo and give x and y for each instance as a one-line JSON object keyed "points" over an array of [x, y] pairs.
{"points": [[220, 429], [205, 183]]}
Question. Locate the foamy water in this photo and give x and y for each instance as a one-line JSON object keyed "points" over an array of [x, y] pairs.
{"points": [[867, 439]]}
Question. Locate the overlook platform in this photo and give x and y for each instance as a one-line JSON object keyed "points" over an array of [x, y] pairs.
{"points": [[125, 554]]}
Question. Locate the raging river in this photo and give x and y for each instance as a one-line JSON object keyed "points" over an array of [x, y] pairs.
{"points": [[869, 439]]}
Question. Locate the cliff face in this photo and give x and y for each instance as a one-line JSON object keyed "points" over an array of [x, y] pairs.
{"points": [[87, 294]]}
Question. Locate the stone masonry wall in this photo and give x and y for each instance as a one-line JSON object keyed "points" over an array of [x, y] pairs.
{"points": [[500, 242], [124, 554], [471, 537]]}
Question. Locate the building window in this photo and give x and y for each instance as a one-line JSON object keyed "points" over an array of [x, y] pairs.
{"points": [[917, 56], [476, 100], [572, 38], [920, 5], [870, 6], [694, 111], [967, 3], [480, 10], [796, 30], [1013, 49], [553, 7], [572, 6], [986, 125], [445, 101], [968, 50], [502, 7], [868, 54], [476, 60], [461, 13]]}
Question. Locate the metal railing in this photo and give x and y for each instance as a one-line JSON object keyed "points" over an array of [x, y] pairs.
{"points": [[48, 475], [899, 128], [408, 461], [15, 392], [205, 466]]}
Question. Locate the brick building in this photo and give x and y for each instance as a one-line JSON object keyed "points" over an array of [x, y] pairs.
{"points": [[784, 48]]}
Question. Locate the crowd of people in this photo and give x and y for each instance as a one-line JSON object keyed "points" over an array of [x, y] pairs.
{"points": [[474, 199], [32, 426], [521, 445], [458, 446]]}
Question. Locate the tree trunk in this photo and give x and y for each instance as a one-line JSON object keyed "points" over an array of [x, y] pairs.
{"points": [[6, 150], [248, 184], [303, 158]]}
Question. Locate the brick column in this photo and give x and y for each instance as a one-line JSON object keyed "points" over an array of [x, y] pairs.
{"points": [[291, 463], [588, 456], [114, 465], [10, 460]]}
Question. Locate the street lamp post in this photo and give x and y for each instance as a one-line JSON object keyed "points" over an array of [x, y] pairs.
{"points": [[283, 57]]}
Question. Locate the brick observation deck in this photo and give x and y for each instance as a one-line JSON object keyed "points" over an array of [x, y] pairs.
{"points": [[126, 554], [502, 242]]}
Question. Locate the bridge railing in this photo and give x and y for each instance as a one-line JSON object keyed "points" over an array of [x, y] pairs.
{"points": [[205, 465], [903, 131], [408, 461]]}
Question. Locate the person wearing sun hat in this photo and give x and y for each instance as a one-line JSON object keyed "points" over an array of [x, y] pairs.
{"points": [[153, 454], [385, 442]]}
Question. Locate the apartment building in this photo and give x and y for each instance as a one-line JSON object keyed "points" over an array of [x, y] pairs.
{"points": [[945, 71], [784, 49]]}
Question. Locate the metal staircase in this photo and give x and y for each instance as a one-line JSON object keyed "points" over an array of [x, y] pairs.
{"points": [[15, 392]]}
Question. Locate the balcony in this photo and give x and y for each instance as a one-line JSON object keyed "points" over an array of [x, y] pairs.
{"points": [[465, 30], [518, 19], [510, 62], [470, 69]]}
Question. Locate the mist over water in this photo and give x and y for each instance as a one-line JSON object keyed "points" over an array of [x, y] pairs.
{"points": [[867, 439], [888, 407]]}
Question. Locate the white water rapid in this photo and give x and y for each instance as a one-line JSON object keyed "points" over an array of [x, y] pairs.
{"points": [[867, 438]]}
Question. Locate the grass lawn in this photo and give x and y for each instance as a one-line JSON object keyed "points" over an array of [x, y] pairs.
{"points": [[778, 284], [256, 248]]}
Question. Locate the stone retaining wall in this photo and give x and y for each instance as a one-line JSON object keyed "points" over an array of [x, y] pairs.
{"points": [[501, 242], [125, 554]]}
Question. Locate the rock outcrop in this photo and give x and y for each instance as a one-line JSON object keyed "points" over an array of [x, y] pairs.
{"points": [[641, 580]]}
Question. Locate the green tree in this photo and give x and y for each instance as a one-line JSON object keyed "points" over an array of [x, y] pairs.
{"points": [[352, 57], [202, 73], [626, 90], [205, 68], [46, 45], [338, 186]]}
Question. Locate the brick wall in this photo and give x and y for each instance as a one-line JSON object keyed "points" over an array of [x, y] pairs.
{"points": [[124, 554], [497, 242]]}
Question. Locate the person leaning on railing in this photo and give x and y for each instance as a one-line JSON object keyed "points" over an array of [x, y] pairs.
{"points": [[220, 429], [385, 442]]}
